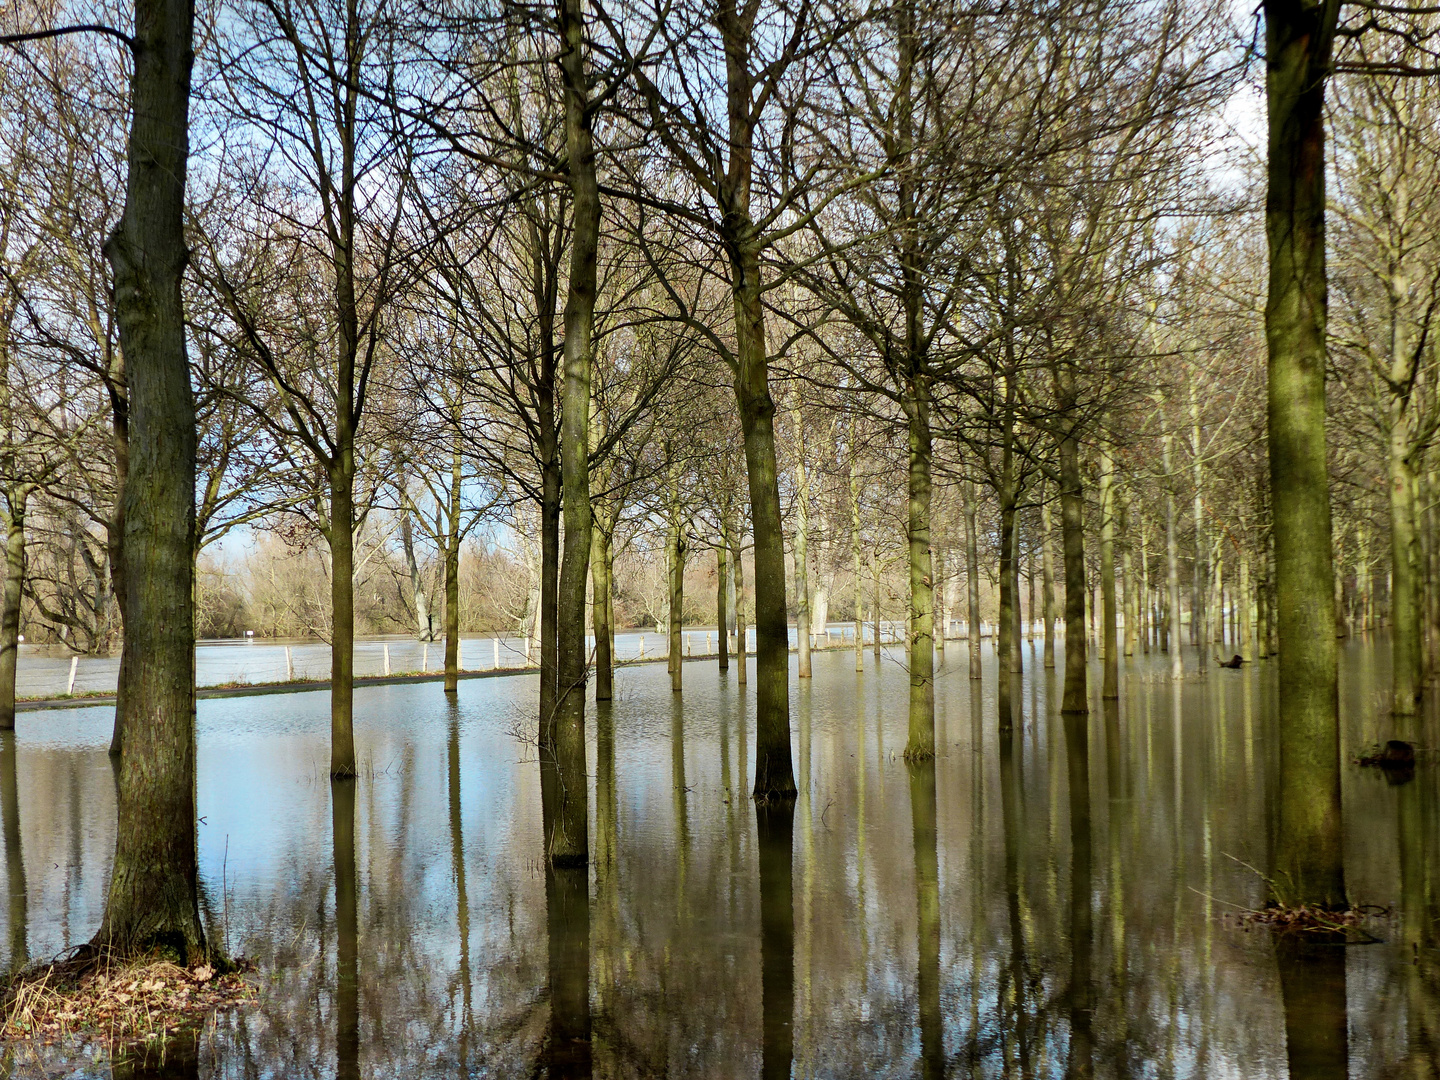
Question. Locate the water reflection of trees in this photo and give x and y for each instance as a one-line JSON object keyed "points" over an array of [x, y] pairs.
{"points": [[1024, 906]]}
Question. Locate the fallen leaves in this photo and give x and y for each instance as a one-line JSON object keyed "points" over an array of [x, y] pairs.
{"points": [[120, 1003]]}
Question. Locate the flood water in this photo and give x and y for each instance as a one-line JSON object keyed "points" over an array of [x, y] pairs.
{"points": [[1037, 906]]}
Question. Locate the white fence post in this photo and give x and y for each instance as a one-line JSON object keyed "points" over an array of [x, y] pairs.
{"points": [[495, 649], [387, 658], [74, 663]]}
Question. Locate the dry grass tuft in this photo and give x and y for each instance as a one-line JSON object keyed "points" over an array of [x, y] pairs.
{"points": [[122, 1003]]}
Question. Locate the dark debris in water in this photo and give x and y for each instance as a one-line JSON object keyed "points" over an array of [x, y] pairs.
{"points": [[119, 1004], [1355, 923]]}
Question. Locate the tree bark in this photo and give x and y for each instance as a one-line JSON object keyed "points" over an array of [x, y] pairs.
{"points": [[1110, 640], [153, 900], [722, 588], [921, 743], [17, 497], [567, 843], [802, 556], [1072, 538], [452, 574], [972, 579], [675, 557], [1406, 646], [1172, 569], [1309, 865], [1047, 585], [742, 632], [601, 592], [341, 538]]}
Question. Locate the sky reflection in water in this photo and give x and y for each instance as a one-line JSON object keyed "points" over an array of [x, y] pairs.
{"points": [[898, 923]]}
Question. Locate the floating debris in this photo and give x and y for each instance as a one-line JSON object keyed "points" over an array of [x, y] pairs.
{"points": [[119, 1003]]}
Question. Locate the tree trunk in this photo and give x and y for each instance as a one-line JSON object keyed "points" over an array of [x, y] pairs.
{"points": [[1172, 570], [1406, 647], [341, 537], [875, 605], [1072, 538], [921, 743], [549, 590], [424, 621], [1047, 585], [972, 579], [1308, 858], [601, 590], [722, 588], [675, 557], [802, 556], [1006, 638], [1128, 606], [452, 574], [153, 900], [16, 497], [742, 632], [1199, 610], [1243, 598], [1110, 639], [567, 843]]}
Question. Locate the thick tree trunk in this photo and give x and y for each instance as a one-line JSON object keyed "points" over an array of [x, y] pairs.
{"points": [[16, 497], [567, 843], [972, 579], [1309, 867], [774, 774], [921, 743], [153, 900], [341, 538], [1109, 635]]}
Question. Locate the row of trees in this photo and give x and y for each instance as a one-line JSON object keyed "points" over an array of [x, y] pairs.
{"points": [[444, 265]]}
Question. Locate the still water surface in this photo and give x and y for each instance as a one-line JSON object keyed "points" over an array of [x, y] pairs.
{"points": [[1036, 906]]}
